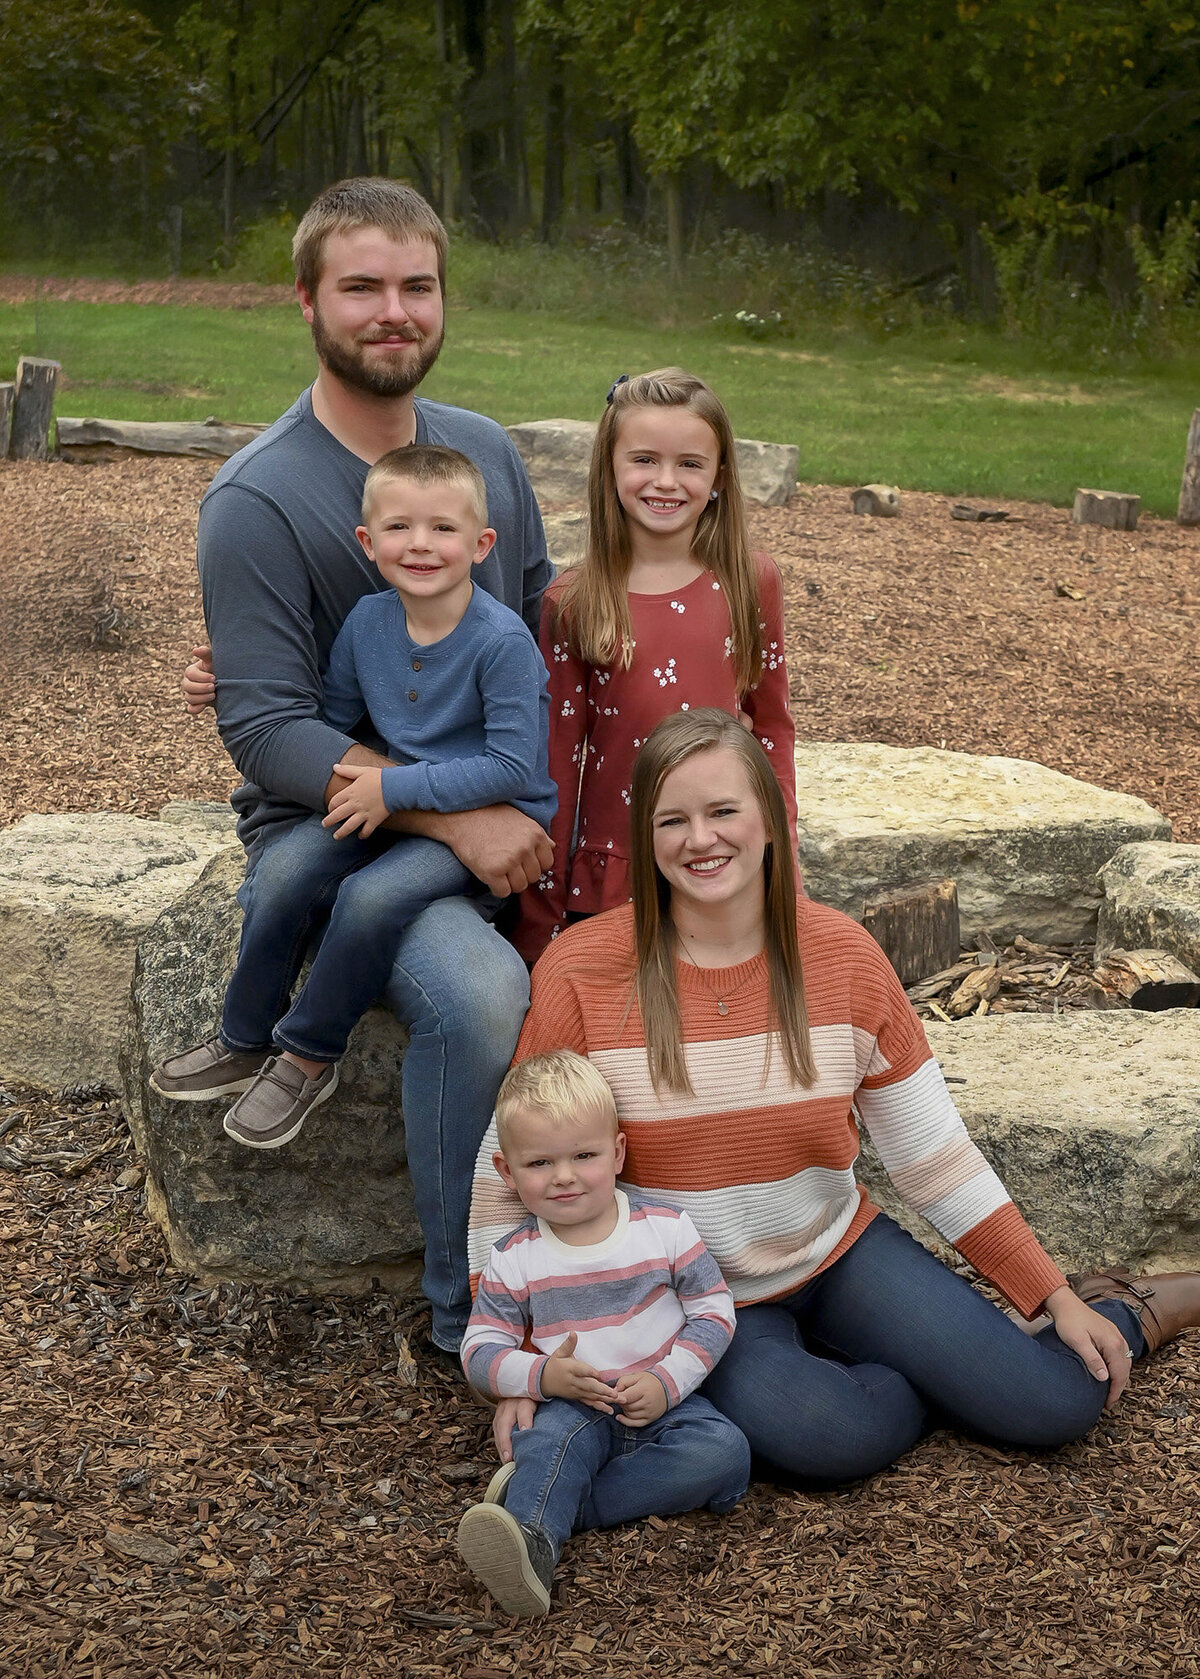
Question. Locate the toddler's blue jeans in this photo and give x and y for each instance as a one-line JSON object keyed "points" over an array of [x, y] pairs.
{"points": [[369, 891], [837, 1380], [578, 1468]]}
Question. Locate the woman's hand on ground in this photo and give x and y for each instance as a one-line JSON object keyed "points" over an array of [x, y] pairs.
{"points": [[359, 805], [566, 1377], [198, 683], [640, 1397], [1098, 1342], [511, 1414]]}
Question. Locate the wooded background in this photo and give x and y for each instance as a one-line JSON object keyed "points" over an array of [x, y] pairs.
{"points": [[973, 146]]}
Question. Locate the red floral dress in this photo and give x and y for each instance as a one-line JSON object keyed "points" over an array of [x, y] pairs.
{"points": [[600, 716]]}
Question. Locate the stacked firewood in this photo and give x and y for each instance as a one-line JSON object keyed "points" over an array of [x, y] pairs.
{"points": [[1030, 978]]}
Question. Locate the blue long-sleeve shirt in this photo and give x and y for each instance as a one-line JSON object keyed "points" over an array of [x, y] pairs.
{"points": [[466, 717]]}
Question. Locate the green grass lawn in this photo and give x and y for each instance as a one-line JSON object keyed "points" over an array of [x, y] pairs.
{"points": [[962, 412]]}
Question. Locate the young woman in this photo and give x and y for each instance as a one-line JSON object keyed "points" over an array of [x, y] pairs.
{"points": [[668, 610], [740, 1030]]}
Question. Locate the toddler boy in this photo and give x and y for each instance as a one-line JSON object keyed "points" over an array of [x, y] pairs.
{"points": [[453, 683], [627, 1314]]}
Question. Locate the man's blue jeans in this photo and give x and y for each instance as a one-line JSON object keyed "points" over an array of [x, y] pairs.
{"points": [[462, 991], [578, 1468], [837, 1380]]}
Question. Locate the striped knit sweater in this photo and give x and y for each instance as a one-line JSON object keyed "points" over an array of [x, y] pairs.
{"points": [[765, 1167], [648, 1297]]}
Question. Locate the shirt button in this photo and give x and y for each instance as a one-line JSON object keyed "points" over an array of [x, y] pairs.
{"points": [[416, 664], [412, 693]]}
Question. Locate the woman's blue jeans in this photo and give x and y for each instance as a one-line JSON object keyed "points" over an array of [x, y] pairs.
{"points": [[462, 992], [578, 1468], [837, 1380]]}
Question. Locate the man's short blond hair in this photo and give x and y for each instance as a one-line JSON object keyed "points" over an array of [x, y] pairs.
{"points": [[364, 201], [561, 1086], [427, 463]]}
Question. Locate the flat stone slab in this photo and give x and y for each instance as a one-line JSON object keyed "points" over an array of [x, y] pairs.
{"points": [[557, 454], [566, 538], [1152, 901], [1092, 1120], [1024, 843], [76, 895], [334, 1208]]}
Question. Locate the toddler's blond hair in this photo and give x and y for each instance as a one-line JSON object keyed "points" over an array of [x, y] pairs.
{"points": [[560, 1085]]}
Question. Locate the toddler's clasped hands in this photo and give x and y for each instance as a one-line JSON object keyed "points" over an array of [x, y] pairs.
{"points": [[638, 1395]]}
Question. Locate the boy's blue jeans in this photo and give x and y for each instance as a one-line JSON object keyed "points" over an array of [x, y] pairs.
{"points": [[369, 891], [462, 992], [837, 1380], [578, 1468]]}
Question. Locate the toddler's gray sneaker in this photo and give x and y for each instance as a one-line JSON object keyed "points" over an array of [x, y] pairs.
{"points": [[278, 1102], [211, 1069], [514, 1562]]}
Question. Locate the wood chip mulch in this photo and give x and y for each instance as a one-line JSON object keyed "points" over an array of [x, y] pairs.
{"points": [[202, 1482], [921, 630]]}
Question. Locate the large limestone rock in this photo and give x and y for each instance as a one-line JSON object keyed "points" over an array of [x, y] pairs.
{"points": [[1023, 842], [1152, 901], [76, 895], [1092, 1120], [768, 471], [333, 1208], [557, 454], [566, 538]]}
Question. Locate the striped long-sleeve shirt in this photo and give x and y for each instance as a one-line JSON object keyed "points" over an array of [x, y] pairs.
{"points": [[648, 1297], [765, 1167]]}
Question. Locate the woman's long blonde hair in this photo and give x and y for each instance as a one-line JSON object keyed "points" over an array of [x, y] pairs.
{"points": [[593, 608], [676, 739]]}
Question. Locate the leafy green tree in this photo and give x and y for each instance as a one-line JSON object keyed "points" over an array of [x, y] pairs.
{"points": [[88, 100]]}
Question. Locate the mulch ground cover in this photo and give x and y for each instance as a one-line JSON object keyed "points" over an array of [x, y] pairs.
{"points": [[203, 1481]]}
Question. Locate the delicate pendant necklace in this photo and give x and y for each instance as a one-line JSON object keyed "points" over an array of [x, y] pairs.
{"points": [[722, 1005]]}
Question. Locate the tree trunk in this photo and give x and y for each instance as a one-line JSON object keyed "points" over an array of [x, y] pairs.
{"points": [[513, 205], [554, 166], [446, 204], [1189, 491], [673, 188]]}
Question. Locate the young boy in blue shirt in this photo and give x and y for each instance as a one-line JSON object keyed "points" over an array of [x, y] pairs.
{"points": [[453, 683]]}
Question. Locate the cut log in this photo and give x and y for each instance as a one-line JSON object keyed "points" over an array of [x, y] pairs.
{"points": [[1189, 490], [33, 409], [158, 437], [978, 515], [8, 393], [916, 930], [1117, 512], [881, 501], [1149, 979]]}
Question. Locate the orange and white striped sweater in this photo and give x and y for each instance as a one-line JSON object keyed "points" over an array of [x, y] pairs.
{"points": [[764, 1167]]}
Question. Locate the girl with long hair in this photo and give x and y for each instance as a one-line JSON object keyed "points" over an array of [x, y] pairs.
{"points": [[745, 1034], [668, 610]]}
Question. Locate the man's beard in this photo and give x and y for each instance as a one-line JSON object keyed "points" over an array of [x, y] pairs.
{"points": [[374, 375]]}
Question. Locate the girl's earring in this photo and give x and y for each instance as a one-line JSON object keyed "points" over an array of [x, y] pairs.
{"points": [[712, 495]]}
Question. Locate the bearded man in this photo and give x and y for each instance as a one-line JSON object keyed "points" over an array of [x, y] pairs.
{"points": [[280, 567]]}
